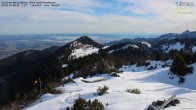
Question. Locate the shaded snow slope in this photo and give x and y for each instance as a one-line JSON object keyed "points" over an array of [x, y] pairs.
{"points": [[176, 46], [154, 85]]}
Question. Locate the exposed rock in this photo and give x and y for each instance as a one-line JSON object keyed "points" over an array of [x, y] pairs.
{"points": [[154, 104], [159, 103], [176, 101], [172, 103]]}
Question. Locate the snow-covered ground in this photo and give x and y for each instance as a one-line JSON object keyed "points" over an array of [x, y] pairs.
{"points": [[153, 84]]}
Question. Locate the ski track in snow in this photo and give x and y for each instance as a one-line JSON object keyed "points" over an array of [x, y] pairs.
{"points": [[153, 84]]}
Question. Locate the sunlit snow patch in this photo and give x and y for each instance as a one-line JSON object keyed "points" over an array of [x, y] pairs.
{"points": [[64, 65], [146, 43], [81, 50]]}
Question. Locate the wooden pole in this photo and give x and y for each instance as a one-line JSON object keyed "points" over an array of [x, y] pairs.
{"points": [[166, 102], [40, 88]]}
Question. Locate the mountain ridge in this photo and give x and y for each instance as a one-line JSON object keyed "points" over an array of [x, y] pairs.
{"points": [[169, 36]]}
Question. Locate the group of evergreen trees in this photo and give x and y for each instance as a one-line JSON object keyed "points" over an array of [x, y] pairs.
{"points": [[93, 64], [82, 104], [181, 64]]}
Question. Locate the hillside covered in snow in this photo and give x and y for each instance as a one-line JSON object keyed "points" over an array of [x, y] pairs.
{"points": [[53, 79], [154, 84]]}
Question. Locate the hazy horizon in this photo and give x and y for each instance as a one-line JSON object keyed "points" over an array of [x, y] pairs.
{"points": [[64, 38]]}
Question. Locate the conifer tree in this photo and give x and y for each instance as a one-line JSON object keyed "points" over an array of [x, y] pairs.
{"points": [[159, 56], [179, 66]]}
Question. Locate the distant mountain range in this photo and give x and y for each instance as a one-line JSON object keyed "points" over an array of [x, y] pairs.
{"points": [[169, 36]]}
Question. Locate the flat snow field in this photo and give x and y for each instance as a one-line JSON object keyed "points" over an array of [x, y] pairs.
{"points": [[153, 84]]}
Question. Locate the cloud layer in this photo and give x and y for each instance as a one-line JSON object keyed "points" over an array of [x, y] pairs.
{"points": [[98, 16]]}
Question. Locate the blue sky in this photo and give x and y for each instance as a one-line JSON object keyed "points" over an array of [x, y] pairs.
{"points": [[98, 16]]}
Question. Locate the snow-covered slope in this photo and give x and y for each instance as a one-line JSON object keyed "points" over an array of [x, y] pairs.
{"points": [[153, 65], [146, 43], [81, 50], [153, 84], [134, 46], [190, 79], [176, 46], [80, 47]]}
